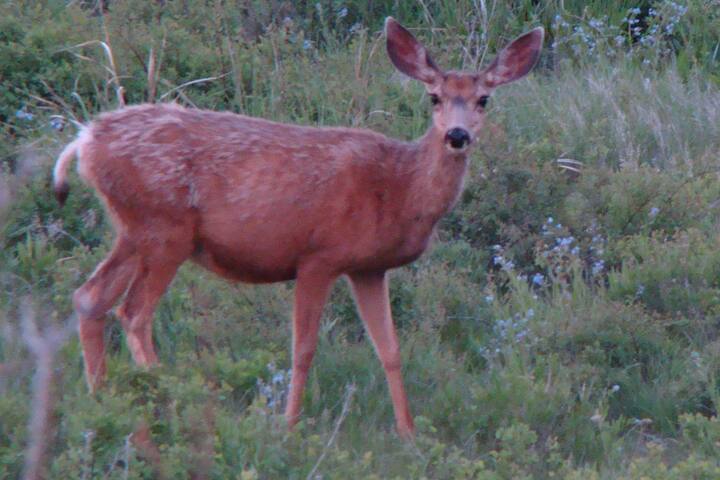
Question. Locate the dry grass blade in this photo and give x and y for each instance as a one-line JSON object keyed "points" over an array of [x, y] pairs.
{"points": [[569, 164], [111, 69], [349, 391], [191, 82]]}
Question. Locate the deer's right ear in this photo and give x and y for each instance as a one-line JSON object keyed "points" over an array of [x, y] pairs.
{"points": [[408, 55]]}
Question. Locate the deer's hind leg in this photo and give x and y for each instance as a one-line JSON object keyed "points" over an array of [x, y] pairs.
{"points": [[156, 269], [95, 297]]}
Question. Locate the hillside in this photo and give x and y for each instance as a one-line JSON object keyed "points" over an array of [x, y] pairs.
{"points": [[564, 324]]}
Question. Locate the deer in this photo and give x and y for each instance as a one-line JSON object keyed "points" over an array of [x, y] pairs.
{"points": [[258, 201]]}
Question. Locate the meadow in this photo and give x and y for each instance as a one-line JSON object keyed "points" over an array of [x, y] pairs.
{"points": [[564, 324]]}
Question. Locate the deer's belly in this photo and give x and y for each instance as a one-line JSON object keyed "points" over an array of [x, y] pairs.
{"points": [[246, 264]]}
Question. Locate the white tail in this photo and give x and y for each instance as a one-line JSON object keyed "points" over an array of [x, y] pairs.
{"points": [[60, 184], [259, 201]]}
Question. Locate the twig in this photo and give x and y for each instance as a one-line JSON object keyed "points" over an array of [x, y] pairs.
{"points": [[349, 391], [180, 94], [43, 347], [88, 436], [151, 76]]}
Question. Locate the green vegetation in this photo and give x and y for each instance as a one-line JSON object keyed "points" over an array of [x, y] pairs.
{"points": [[566, 323]]}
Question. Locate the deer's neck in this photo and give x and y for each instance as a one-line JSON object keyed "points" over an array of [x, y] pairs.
{"points": [[438, 176]]}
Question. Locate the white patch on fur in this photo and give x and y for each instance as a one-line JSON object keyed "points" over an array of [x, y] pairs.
{"points": [[83, 302], [84, 138]]}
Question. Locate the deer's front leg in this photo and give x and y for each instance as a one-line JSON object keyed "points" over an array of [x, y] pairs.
{"points": [[373, 302], [311, 291]]}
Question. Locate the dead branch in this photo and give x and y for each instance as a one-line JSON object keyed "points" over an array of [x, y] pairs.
{"points": [[43, 346]]}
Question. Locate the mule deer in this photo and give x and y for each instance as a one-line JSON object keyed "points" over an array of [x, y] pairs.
{"points": [[258, 201]]}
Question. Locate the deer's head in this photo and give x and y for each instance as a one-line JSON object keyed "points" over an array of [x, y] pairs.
{"points": [[459, 98]]}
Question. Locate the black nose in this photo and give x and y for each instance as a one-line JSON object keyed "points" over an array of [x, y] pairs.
{"points": [[457, 138]]}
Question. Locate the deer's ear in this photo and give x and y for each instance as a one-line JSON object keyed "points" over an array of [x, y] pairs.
{"points": [[516, 60], [408, 55]]}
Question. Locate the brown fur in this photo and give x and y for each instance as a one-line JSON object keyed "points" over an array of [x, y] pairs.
{"points": [[259, 201]]}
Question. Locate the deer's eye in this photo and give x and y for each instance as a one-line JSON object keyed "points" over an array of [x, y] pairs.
{"points": [[483, 101], [434, 99]]}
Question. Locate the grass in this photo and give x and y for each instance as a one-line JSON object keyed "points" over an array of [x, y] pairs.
{"points": [[564, 324]]}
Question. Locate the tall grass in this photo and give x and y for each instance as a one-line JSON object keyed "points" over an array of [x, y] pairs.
{"points": [[618, 116]]}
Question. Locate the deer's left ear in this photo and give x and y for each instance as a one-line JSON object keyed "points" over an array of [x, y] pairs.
{"points": [[408, 55], [516, 60]]}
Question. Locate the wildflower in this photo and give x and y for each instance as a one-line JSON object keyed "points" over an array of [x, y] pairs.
{"points": [[696, 359], [565, 241], [56, 123], [342, 13], [653, 212], [489, 298], [538, 279], [307, 44], [23, 114], [615, 388]]}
